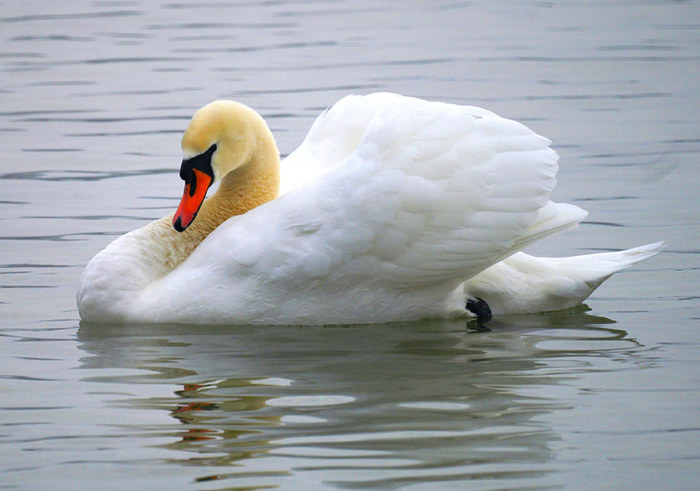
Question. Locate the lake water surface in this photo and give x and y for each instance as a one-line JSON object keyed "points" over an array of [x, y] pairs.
{"points": [[93, 100]]}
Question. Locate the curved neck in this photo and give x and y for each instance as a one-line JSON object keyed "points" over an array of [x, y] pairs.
{"points": [[116, 276], [241, 190]]}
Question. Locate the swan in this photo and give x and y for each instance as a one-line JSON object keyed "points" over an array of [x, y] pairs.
{"points": [[393, 208]]}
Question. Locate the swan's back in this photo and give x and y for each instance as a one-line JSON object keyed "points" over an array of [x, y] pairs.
{"points": [[397, 201], [337, 132]]}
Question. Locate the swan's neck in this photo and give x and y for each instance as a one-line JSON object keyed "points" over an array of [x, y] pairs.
{"points": [[157, 249], [239, 191], [115, 277]]}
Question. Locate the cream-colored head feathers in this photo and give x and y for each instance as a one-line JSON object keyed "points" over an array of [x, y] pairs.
{"points": [[246, 162], [235, 128]]}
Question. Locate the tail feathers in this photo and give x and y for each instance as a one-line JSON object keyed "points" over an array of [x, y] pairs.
{"points": [[596, 268], [526, 284], [631, 256]]}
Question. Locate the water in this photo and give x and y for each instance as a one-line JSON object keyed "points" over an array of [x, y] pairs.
{"points": [[93, 100]]}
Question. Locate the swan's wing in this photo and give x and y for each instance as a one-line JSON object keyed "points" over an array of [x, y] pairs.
{"points": [[432, 193], [333, 137]]}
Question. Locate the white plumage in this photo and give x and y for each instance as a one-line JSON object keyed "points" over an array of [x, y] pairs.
{"points": [[393, 208]]}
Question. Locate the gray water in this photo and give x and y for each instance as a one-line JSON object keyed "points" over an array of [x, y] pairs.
{"points": [[93, 99]]}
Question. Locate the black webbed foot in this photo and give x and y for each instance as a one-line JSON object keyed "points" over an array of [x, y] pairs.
{"points": [[480, 309]]}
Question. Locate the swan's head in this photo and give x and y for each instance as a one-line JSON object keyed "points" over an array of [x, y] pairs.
{"points": [[220, 139]]}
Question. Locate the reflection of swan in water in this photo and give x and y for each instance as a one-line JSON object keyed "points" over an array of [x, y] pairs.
{"points": [[397, 398]]}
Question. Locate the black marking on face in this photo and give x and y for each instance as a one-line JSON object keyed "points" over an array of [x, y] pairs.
{"points": [[200, 162]]}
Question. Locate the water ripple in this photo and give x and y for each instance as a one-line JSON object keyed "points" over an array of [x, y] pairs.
{"points": [[84, 176], [73, 16]]}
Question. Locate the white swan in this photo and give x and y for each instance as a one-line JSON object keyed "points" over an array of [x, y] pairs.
{"points": [[393, 208]]}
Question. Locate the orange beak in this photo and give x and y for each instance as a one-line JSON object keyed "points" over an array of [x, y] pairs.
{"points": [[196, 188]]}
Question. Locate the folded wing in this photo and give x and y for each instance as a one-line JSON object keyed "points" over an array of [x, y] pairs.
{"points": [[430, 194]]}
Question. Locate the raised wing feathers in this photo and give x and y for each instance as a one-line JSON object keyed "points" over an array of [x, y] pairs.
{"points": [[432, 193]]}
